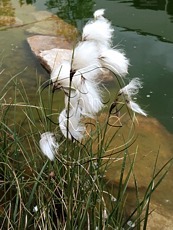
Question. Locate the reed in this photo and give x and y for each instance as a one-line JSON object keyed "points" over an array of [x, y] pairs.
{"points": [[72, 191]]}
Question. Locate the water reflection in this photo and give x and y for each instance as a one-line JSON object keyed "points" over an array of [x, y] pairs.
{"points": [[71, 11], [22, 2], [169, 9], [165, 5], [152, 4]]}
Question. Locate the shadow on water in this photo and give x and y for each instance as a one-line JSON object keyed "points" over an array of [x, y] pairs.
{"points": [[164, 5]]}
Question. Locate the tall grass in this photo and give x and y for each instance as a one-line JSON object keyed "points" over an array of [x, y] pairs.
{"points": [[73, 191]]}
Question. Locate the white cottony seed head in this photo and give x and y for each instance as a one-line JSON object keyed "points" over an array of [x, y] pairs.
{"points": [[48, 145]]}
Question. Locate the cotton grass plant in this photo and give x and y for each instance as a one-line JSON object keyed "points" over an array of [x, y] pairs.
{"points": [[54, 159]]}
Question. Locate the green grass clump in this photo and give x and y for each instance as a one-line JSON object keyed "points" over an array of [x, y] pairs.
{"points": [[72, 192]]}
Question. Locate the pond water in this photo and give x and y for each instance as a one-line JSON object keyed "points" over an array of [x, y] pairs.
{"points": [[144, 29]]}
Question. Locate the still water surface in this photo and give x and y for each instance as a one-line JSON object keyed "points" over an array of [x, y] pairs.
{"points": [[144, 29]]}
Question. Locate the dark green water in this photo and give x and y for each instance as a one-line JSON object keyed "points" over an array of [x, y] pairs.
{"points": [[147, 37]]}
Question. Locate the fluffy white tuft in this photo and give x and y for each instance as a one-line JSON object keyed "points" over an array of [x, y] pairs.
{"points": [[99, 31], [132, 88], [90, 73], [99, 13], [72, 98], [48, 145], [85, 54], [71, 126], [90, 98], [136, 108], [35, 208], [115, 61], [86, 97], [60, 75]]}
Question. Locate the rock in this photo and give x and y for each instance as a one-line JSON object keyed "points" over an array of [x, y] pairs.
{"points": [[50, 50], [158, 220], [42, 15], [40, 43], [52, 58], [18, 22], [49, 24]]}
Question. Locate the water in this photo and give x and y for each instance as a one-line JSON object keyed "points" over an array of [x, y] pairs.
{"points": [[143, 29], [147, 37]]}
